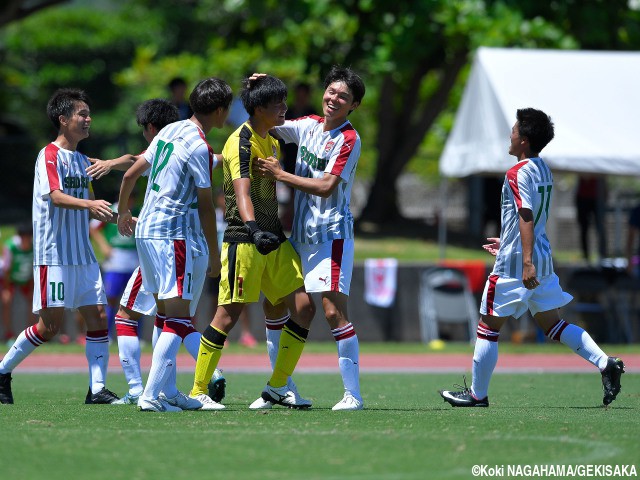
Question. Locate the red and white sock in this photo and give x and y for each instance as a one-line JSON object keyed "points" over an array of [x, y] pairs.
{"points": [[129, 352], [27, 342], [485, 358], [348, 358], [97, 353], [579, 341], [158, 325]]}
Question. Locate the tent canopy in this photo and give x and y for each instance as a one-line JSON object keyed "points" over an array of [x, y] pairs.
{"points": [[593, 99]]}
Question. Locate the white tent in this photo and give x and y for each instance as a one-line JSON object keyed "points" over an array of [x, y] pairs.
{"points": [[592, 97]]}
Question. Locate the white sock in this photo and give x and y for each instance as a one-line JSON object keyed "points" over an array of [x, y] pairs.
{"points": [[164, 359], [348, 358], [485, 358], [97, 353], [273, 330], [26, 343], [192, 344], [580, 342], [129, 352]]}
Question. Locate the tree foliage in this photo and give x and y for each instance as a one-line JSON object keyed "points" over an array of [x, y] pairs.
{"points": [[414, 57]]}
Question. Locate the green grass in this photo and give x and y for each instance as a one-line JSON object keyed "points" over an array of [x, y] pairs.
{"points": [[406, 431]]}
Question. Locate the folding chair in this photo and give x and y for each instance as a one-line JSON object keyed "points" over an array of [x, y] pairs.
{"points": [[445, 297]]}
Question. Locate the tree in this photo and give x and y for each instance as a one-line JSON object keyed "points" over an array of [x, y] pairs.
{"points": [[13, 10]]}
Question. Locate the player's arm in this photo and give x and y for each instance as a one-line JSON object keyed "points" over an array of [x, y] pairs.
{"points": [[98, 209], [207, 214], [265, 242], [100, 168], [526, 225], [126, 222], [321, 187]]}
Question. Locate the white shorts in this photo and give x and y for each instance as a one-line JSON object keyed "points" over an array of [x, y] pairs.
{"points": [[69, 286], [136, 298], [169, 270], [507, 297], [327, 267]]}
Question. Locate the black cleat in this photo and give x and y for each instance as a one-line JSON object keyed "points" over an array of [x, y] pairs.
{"points": [[217, 386], [6, 396], [104, 396], [87, 399], [463, 398], [611, 379]]}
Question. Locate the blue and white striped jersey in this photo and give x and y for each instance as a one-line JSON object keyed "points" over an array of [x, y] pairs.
{"points": [[181, 162], [528, 184], [60, 235], [335, 152]]}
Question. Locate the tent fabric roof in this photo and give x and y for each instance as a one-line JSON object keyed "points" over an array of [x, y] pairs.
{"points": [[592, 97]]}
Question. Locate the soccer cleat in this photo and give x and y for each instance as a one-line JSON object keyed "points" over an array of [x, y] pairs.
{"points": [[156, 405], [217, 386], [207, 403], [128, 399], [611, 379], [247, 340], [6, 396], [285, 396], [349, 402], [463, 398], [260, 404], [182, 401], [103, 397]]}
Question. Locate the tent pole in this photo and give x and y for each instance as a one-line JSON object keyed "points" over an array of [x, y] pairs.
{"points": [[442, 218]]}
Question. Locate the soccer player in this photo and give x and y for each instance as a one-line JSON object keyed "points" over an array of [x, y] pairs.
{"points": [[18, 274], [328, 152], [181, 162], [152, 115], [523, 277], [256, 254], [66, 273]]}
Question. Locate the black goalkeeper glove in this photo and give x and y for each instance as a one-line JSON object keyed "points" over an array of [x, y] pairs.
{"points": [[265, 242]]}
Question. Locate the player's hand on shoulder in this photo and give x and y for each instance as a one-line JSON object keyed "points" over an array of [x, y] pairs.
{"points": [[99, 168]]}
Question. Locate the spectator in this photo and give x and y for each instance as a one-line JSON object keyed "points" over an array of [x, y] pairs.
{"points": [[178, 90], [590, 207]]}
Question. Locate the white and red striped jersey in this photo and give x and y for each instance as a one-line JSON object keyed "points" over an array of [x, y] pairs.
{"points": [[60, 235], [528, 184], [335, 152], [181, 162]]}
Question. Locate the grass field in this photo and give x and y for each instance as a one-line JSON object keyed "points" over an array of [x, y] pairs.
{"points": [[405, 432]]}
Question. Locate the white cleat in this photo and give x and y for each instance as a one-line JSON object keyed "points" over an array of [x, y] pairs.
{"points": [[285, 396], [349, 402], [156, 405], [182, 401], [128, 399], [207, 403], [261, 404]]}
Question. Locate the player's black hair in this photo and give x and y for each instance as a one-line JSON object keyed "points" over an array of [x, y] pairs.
{"points": [[176, 82], [63, 102], [536, 126], [261, 92], [209, 95], [157, 112], [24, 228], [349, 77]]}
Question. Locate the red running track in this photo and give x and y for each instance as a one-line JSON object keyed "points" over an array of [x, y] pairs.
{"points": [[320, 363]]}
